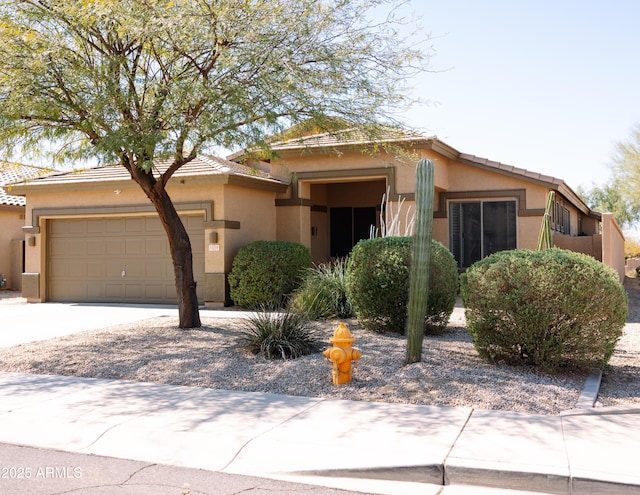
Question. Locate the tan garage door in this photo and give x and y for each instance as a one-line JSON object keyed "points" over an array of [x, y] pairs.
{"points": [[123, 260]]}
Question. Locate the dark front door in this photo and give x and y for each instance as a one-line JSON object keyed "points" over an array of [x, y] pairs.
{"points": [[348, 226]]}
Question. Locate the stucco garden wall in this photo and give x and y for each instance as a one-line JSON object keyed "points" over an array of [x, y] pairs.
{"points": [[613, 245]]}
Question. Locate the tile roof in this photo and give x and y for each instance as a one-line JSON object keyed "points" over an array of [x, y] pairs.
{"points": [[15, 173], [400, 137], [347, 137], [509, 169], [351, 138], [199, 166]]}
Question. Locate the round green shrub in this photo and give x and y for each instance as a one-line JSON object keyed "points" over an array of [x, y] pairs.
{"points": [[549, 308], [378, 284], [265, 273]]}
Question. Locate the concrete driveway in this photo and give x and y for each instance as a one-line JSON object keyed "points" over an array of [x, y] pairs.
{"points": [[21, 322]]}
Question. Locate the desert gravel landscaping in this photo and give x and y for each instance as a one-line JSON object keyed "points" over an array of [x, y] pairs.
{"points": [[450, 374]]}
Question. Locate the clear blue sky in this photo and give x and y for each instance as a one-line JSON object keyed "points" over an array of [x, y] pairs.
{"points": [[546, 85]]}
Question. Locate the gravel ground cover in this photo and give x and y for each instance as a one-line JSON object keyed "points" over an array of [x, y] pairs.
{"points": [[621, 377], [450, 374]]}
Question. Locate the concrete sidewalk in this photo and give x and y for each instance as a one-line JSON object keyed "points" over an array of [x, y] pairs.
{"points": [[359, 446]]}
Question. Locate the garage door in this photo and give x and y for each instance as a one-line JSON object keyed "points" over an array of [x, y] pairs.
{"points": [[124, 260]]}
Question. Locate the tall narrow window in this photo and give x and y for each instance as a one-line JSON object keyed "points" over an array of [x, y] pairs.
{"points": [[480, 228]]}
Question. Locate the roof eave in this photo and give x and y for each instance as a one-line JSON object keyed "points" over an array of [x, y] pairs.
{"points": [[570, 194], [129, 184], [510, 171], [12, 208], [308, 147]]}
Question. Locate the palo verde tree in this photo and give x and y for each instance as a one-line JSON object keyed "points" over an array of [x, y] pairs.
{"points": [[136, 81], [621, 194], [626, 177]]}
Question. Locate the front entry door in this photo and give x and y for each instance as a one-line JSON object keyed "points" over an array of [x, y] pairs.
{"points": [[348, 226]]}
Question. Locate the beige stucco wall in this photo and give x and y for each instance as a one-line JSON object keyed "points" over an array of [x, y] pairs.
{"points": [[255, 212], [244, 214], [457, 180], [292, 163], [11, 222], [295, 223], [240, 215], [450, 177], [441, 170], [613, 245], [586, 244], [464, 177]]}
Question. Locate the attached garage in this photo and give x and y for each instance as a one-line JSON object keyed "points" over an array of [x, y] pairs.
{"points": [[117, 259]]}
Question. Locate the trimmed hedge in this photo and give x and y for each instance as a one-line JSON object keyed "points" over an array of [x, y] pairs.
{"points": [[265, 273], [549, 308], [378, 284]]}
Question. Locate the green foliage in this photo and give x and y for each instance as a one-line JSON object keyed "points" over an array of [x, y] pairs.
{"points": [[631, 247], [267, 272], [610, 197], [620, 195], [378, 284], [549, 308], [106, 78], [443, 288], [280, 335], [141, 82], [323, 292]]}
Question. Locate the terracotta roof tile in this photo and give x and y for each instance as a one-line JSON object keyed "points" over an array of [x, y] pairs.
{"points": [[510, 169], [348, 137], [200, 166], [343, 138], [15, 173]]}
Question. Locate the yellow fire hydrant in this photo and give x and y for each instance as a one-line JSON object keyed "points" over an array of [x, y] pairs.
{"points": [[342, 354]]}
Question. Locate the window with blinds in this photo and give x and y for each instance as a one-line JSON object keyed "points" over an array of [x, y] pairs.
{"points": [[480, 228]]}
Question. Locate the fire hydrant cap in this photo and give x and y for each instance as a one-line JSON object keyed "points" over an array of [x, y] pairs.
{"points": [[342, 334]]}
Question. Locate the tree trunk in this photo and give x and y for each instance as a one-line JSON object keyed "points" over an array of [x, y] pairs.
{"points": [[179, 245], [181, 254]]}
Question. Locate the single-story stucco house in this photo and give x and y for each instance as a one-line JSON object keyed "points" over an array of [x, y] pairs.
{"points": [[93, 236], [12, 215]]}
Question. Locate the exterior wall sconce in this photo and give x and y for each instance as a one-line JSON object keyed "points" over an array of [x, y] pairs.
{"points": [[117, 191]]}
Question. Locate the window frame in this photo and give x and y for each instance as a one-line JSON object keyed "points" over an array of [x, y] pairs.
{"points": [[459, 256]]}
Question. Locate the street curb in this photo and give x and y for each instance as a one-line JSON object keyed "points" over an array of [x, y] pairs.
{"points": [[589, 395], [429, 473]]}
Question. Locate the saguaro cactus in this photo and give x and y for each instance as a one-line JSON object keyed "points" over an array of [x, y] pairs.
{"points": [[420, 256], [544, 237]]}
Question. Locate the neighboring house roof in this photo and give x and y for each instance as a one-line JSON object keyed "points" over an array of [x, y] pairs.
{"points": [[199, 166], [350, 138], [12, 174]]}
